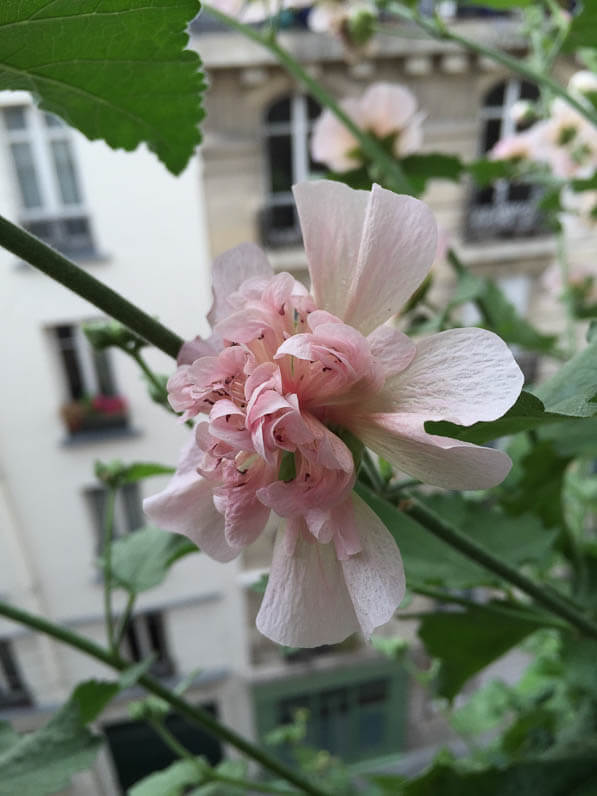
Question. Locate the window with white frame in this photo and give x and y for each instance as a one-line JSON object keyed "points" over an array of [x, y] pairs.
{"points": [[128, 511], [51, 199], [92, 402], [287, 132], [13, 692], [506, 209], [145, 635]]}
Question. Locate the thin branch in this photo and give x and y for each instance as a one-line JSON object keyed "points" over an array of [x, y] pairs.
{"points": [[394, 176], [442, 32], [28, 248], [194, 713], [107, 559]]}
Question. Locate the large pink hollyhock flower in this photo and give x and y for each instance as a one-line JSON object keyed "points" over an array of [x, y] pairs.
{"points": [[384, 109], [289, 376]]}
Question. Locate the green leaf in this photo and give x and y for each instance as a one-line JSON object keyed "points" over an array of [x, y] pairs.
{"points": [[573, 389], [114, 69], [428, 560], [499, 4], [527, 413], [485, 172], [467, 641], [171, 781], [424, 167], [44, 761], [129, 677], [583, 30], [141, 560], [8, 736], [553, 777], [500, 316], [117, 473]]}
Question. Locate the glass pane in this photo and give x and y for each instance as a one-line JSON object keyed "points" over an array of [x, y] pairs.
{"points": [[65, 172], [279, 111], [132, 507], [70, 361], [519, 192], [52, 121], [103, 372], [313, 108], [495, 97], [14, 118], [528, 91], [280, 162], [491, 133], [26, 174]]}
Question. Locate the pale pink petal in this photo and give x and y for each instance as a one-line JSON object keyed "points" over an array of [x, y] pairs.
{"points": [[392, 349], [196, 348], [332, 143], [375, 576], [387, 107], [186, 506], [306, 602], [461, 375], [230, 270], [411, 138], [367, 252], [439, 461]]}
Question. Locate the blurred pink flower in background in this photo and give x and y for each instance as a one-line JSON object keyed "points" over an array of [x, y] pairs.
{"points": [[293, 378], [385, 109], [256, 10]]}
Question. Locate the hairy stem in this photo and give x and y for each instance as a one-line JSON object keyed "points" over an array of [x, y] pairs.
{"points": [[28, 248], [193, 713], [394, 176], [439, 30], [429, 520]]}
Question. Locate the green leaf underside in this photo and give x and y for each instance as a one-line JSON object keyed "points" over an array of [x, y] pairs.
{"points": [[114, 69], [44, 761], [141, 560], [573, 389], [565, 776], [171, 781], [428, 560], [466, 641]]}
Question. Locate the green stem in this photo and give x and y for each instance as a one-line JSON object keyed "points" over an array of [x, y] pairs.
{"points": [[448, 533], [495, 608], [193, 713], [515, 65], [107, 557], [33, 251], [124, 620], [394, 176], [206, 773], [372, 472]]}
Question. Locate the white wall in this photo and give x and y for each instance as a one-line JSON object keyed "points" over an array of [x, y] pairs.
{"points": [[149, 228]]}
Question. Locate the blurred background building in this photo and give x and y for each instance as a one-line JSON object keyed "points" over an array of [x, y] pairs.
{"points": [[151, 237]]}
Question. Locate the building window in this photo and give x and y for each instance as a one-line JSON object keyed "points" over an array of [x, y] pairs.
{"points": [[128, 511], [144, 637], [506, 209], [92, 402], [287, 131], [355, 713], [13, 692], [52, 206]]}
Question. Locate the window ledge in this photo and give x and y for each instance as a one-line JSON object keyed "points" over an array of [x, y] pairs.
{"points": [[100, 435], [499, 251], [291, 258]]}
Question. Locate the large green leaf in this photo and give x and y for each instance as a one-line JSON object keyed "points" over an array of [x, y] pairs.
{"points": [[583, 30], [467, 641], [573, 389], [141, 560], [44, 761], [428, 560], [114, 69], [434, 165], [566, 776]]}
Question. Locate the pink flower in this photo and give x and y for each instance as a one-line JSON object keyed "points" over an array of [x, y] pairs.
{"points": [[294, 376], [383, 110], [256, 10]]}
